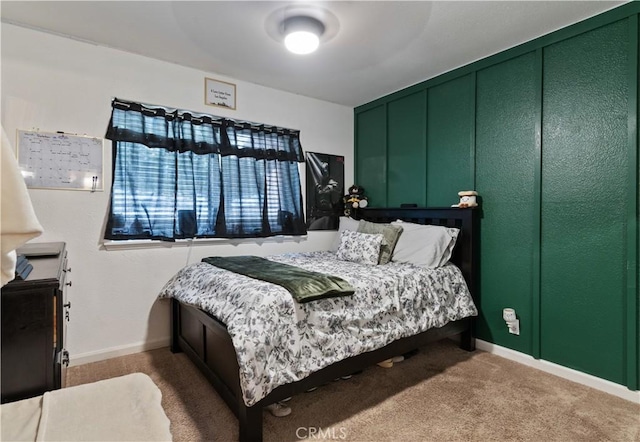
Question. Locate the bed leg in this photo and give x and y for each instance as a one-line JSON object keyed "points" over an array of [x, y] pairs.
{"points": [[175, 326], [250, 423], [468, 340]]}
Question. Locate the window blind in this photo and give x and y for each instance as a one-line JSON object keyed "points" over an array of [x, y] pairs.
{"points": [[179, 175]]}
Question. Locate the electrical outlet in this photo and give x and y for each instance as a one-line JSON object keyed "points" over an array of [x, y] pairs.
{"points": [[514, 327]]}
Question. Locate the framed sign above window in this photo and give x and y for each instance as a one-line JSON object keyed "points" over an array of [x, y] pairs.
{"points": [[219, 93]]}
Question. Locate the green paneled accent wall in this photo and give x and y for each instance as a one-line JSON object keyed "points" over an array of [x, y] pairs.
{"points": [[584, 201], [635, 82], [547, 132], [451, 128], [505, 177], [406, 154], [371, 154]]}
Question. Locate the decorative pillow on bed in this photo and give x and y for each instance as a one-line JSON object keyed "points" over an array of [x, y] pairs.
{"points": [[346, 223], [425, 245], [363, 248], [390, 234]]}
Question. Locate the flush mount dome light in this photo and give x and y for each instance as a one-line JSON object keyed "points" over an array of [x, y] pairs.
{"points": [[302, 28], [302, 34]]}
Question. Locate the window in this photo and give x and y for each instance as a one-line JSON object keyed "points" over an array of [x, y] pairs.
{"points": [[178, 175]]}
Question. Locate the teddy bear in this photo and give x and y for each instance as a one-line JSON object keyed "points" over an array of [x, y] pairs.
{"points": [[355, 199]]}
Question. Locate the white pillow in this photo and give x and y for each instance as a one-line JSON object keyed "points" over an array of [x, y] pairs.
{"points": [[363, 248], [424, 245], [346, 223]]}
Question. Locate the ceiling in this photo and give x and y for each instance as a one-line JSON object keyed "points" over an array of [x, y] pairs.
{"points": [[375, 47]]}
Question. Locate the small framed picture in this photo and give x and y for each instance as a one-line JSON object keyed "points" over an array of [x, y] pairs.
{"points": [[219, 93]]}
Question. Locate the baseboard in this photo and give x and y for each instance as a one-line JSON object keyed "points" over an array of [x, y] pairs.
{"points": [[113, 352], [507, 353], [563, 372]]}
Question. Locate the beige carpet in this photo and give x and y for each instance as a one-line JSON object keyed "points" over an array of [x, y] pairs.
{"points": [[441, 394]]}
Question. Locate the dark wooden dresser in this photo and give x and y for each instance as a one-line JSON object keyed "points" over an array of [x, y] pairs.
{"points": [[34, 317]]}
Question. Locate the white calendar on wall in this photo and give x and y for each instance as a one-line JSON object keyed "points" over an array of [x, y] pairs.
{"points": [[60, 160]]}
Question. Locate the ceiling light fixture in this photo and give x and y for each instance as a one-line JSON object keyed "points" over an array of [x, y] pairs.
{"points": [[302, 34], [302, 28]]}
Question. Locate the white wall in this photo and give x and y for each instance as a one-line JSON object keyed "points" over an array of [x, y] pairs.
{"points": [[53, 84]]}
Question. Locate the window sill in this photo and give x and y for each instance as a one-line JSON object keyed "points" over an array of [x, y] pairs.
{"points": [[134, 244]]}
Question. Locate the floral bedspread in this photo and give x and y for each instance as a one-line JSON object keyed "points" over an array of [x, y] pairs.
{"points": [[279, 341]]}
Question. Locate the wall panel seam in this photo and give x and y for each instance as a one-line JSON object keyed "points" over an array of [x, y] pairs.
{"points": [[472, 133], [537, 210], [631, 366]]}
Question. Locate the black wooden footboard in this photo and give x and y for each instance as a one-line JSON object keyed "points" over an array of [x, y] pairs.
{"points": [[207, 343], [203, 338]]}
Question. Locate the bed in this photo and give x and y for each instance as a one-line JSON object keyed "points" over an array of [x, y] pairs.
{"points": [[208, 342]]}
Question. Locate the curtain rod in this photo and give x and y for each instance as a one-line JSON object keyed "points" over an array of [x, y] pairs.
{"points": [[200, 114]]}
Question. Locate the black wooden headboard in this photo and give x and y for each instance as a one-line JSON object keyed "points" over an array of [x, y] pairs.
{"points": [[465, 254]]}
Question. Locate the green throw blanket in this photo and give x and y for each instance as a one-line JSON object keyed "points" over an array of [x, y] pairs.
{"points": [[304, 285]]}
